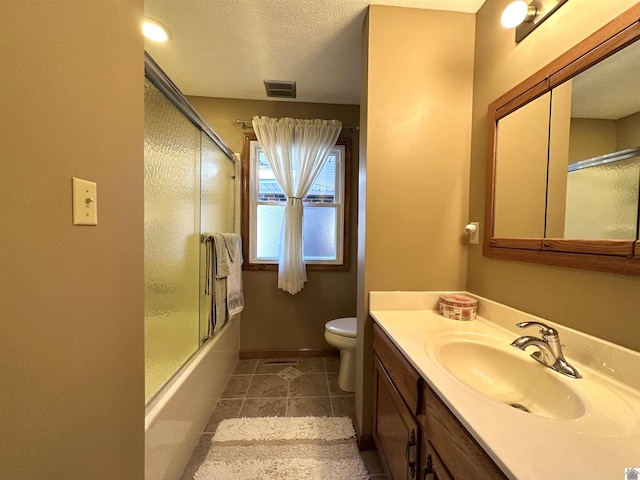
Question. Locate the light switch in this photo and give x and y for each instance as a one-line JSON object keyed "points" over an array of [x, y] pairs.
{"points": [[85, 202]]}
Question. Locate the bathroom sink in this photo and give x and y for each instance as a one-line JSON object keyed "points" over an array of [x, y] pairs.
{"points": [[512, 378]]}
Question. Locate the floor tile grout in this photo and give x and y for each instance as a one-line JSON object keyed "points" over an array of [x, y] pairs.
{"points": [[286, 404], [329, 389], [333, 402], [245, 394]]}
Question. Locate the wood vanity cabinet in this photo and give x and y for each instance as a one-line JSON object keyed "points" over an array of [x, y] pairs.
{"points": [[417, 436], [396, 401], [456, 454], [432, 465]]}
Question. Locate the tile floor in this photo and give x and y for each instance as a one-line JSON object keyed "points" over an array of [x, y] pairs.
{"points": [[282, 387]]}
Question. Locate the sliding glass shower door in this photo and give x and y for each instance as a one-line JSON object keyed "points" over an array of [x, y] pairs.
{"points": [[189, 190], [217, 212], [172, 239]]}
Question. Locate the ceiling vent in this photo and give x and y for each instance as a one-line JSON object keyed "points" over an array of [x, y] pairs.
{"points": [[280, 88]]}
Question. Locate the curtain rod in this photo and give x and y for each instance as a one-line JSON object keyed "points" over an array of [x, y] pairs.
{"points": [[249, 124]]}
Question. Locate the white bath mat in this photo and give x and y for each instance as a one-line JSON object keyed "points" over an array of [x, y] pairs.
{"points": [[283, 448], [284, 428]]}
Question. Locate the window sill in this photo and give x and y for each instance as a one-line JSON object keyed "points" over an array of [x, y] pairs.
{"points": [[311, 267]]}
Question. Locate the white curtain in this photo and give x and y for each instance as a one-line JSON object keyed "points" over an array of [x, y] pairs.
{"points": [[296, 151]]}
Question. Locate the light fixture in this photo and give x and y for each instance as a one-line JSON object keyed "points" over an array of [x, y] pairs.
{"points": [[516, 13], [154, 30], [525, 17]]}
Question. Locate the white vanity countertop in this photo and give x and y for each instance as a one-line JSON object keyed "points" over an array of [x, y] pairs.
{"points": [[597, 445]]}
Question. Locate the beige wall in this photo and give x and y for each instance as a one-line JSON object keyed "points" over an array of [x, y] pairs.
{"points": [[558, 160], [591, 138], [416, 105], [594, 137], [364, 347], [71, 298], [601, 304], [628, 132], [273, 319]]}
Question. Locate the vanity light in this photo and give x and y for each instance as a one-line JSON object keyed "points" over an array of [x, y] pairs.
{"points": [[525, 17], [154, 30], [516, 13]]}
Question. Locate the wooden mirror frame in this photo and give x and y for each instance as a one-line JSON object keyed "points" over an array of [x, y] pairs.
{"points": [[617, 256]]}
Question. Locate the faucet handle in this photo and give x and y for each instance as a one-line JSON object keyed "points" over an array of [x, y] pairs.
{"points": [[544, 329]]}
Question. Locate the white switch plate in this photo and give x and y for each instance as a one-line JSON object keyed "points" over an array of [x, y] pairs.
{"points": [[474, 238], [85, 202]]}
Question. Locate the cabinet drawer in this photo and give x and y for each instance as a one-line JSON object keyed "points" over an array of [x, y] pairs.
{"points": [[461, 454], [405, 378]]}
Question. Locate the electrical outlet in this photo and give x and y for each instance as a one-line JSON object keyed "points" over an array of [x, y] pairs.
{"points": [[474, 238]]}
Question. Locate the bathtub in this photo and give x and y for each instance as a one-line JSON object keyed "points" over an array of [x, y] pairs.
{"points": [[175, 418]]}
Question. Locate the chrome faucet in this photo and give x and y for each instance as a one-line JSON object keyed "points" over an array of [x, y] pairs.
{"points": [[549, 348]]}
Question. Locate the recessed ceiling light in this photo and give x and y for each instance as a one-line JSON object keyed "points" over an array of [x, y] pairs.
{"points": [[154, 30]]}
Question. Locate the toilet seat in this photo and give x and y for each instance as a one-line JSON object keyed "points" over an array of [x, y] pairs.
{"points": [[344, 327]]}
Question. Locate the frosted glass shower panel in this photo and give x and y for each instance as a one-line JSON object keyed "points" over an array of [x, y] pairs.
{"points": [[218, 192], [217, 211], [602, 201], [172, 239]]}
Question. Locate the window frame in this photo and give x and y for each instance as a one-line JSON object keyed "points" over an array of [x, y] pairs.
{"points": [[247, 176]]}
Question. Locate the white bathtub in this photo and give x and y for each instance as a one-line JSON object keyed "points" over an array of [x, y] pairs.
{"points": [[175, 418]]}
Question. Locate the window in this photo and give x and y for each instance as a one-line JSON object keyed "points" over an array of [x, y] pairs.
{"points": [[326, 211]]}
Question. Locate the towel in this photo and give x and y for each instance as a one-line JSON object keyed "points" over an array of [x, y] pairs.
{"points": [[223, 257], [235, 296], [223, 277], [215, 287]]}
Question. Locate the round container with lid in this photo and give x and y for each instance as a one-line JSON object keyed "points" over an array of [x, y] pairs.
{"points": [[458, 307]]}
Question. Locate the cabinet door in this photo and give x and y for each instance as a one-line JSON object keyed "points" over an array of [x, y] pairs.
{"points": [[462, 455], [395, 430], [432, 466]]}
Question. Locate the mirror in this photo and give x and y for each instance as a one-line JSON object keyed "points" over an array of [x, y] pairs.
{"points": [[599, 109], [521, 180], [564, 167]]}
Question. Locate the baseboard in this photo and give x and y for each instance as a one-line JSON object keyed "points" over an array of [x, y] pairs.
{"points": [[290, 353], [365, 442]]}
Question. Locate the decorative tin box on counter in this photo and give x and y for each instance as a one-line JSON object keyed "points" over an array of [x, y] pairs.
{"points": [[458, 307]]}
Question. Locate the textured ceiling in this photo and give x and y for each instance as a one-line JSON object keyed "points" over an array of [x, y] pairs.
{"points": [[607, 90], [226, 48]]}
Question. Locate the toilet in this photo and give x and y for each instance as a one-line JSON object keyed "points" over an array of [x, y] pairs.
{"points": [[341, 334]]}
